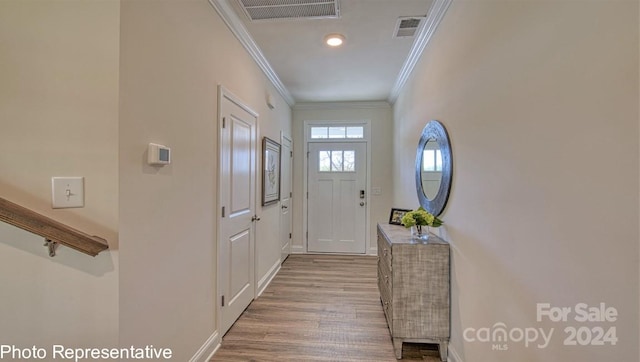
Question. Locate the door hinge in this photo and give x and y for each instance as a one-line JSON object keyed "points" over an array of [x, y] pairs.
{"points": [[223, 300], [223, 211], [308, 154], [291, 152], [289, 235], [307, 235], [290, 194], [224, 122]]}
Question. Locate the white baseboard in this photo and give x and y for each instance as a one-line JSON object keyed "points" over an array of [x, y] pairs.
{"points": [[205, 353], [297, 249], [453, 355], [264, 282]]}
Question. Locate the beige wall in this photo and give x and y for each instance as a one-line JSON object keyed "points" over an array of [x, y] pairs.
{"points": [[541, 102], [61, 97], [173, 56], [379, 113], [59, 117]]}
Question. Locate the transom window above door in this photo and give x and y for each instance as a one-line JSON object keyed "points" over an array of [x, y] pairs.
{"points": [[337, 132]]}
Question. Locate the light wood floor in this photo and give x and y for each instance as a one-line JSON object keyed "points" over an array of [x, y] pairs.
{"points": [[318, 308]]}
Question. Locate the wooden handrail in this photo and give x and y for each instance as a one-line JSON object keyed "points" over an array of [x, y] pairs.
{"points": [[51, 230]]}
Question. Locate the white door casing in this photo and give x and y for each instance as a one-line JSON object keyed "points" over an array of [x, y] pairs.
{"points": [[286, 178], [337, 184], [237, 205]]}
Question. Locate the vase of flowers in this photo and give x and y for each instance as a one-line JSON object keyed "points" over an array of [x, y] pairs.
{"points": [[420, 221], [420, 232]]}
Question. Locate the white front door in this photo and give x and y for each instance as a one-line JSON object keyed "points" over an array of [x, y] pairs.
{"points": [[286, 176], [237, 186], [337, 197]]}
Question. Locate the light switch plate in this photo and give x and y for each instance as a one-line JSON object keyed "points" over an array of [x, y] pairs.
{"points": [[67, 192]]}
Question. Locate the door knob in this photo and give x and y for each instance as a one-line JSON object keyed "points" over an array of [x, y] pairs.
{"points": [[284, 207]]}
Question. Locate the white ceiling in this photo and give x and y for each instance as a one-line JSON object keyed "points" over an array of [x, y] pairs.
{"points": [[365, 68]]}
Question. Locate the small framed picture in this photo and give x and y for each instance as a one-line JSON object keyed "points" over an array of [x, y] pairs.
{"points": [[396, 216]]}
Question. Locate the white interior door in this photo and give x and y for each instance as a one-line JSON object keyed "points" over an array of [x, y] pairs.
{"points": [[286, 177], [337, 201], [237, 194]]}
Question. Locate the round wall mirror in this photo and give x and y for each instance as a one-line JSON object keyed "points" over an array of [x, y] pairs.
{"points": [[433, 168]]}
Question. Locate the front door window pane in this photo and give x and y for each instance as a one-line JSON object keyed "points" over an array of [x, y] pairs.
{"points": [[324, 161], [349, 161], [336, 161]]}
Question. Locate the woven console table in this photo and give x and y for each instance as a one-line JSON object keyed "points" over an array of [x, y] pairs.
{"points": [[413, 278]]}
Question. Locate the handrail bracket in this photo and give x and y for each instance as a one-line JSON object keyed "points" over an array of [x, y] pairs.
{"points": [[52, 245]]}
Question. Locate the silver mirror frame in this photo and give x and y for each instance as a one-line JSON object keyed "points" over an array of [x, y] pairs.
{"points": [[435, 130]]}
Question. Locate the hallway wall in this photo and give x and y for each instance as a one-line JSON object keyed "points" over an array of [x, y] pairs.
{"points": [[541, 103], [59, 117], [86, 86], [173, 56]]}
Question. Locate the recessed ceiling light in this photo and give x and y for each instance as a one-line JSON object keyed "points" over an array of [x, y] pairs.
{"points": [[334, 40]]}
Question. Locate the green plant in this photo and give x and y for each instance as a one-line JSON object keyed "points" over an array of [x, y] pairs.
{"points": [[420, 217]]}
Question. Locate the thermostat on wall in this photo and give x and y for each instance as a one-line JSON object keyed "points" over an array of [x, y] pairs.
{"points": [[158, 155]]}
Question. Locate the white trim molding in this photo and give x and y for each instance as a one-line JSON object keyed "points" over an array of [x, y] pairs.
{"points": [[208, 349], [225, 10], [267, 278], [298, 249], [453, 355], [341, 105], [423, 36]]}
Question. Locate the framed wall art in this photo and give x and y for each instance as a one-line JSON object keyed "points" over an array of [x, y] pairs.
{"points": [[270, 171]]}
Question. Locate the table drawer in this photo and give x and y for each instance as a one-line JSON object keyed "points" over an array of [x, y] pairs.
{"points": [[385, 297], [385, 276], [384, 252]]}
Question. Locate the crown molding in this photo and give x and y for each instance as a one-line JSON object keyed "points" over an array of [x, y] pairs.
{"points": [[304, 106], [425, 32], [229, 16]]}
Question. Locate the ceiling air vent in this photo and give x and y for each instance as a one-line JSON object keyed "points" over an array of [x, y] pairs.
{"points": [[291, 9], [407, 26]]}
